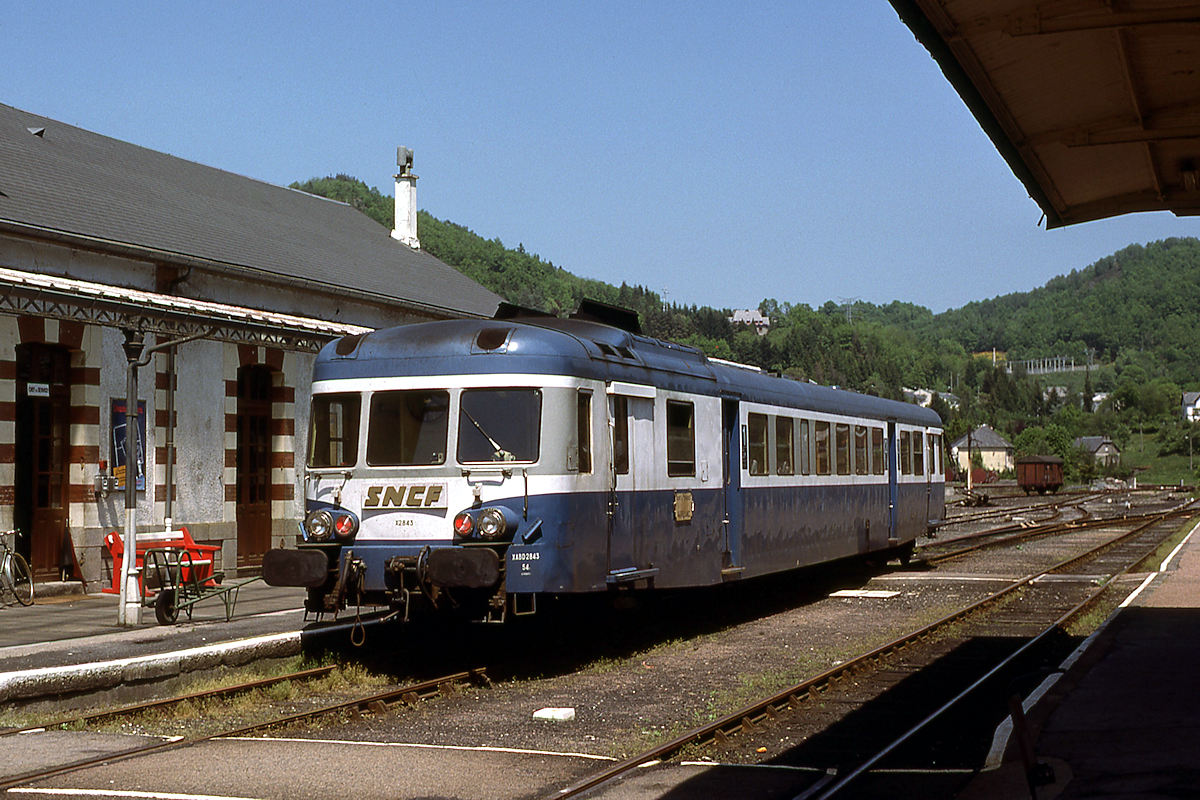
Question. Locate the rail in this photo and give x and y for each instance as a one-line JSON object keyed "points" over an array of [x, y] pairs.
{"points": [[409, 693], [749, 716]]}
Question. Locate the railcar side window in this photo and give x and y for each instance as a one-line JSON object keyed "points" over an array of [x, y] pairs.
{"points": [[681, 438], [333, 433], [860, 450], [583, 411], [499, 425], [621, 435], [905, 452], [758, 444], [842, 434], [821, 435], [935, 454], [407, 428], [878, 463], [918, 453], [805, 448], [785, 463]]}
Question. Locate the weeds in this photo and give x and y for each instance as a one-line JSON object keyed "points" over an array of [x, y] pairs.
{"points": [[195, 712]]}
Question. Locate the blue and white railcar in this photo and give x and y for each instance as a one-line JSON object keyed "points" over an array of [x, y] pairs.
{"points": [[474, 465]]}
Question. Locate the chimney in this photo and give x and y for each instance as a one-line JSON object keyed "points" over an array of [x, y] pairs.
{"points": [[405, 229]]}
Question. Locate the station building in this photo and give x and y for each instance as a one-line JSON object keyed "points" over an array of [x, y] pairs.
{"points": [[222, 288]]}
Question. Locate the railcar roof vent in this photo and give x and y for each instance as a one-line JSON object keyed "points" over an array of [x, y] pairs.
{"points": [[491, 339], [511, 311], [595, 311], [348, 344]]}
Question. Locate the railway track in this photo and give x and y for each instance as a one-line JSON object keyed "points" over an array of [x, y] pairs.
{"points": [[378, 702], [89, 718], [1057, 501], [1006, 535], [959, 654]]}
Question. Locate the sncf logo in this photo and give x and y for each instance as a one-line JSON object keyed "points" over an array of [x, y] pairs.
{"points": [[422, 495]]}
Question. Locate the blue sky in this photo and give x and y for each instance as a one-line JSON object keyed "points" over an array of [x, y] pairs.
{"points": [[717, 153]]}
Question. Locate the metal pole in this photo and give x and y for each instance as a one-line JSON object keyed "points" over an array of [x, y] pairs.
{"points": [[168, 503], [130, 608]]}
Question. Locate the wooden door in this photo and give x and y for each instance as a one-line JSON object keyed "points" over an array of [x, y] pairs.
{"points": [[253, 464], [43, 433]]}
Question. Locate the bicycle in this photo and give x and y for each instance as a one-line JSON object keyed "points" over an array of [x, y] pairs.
{"points": [[14, 570]]}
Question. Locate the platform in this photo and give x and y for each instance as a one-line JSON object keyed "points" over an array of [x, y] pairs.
{"points": [[1124, 721], [69, 642]]}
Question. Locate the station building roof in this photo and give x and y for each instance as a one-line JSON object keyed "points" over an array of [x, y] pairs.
{"points": [[1094, 105], [62, 183]]}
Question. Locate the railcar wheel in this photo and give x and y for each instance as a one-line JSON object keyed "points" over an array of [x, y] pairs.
{"points": [[165, 610], [906, 553]]}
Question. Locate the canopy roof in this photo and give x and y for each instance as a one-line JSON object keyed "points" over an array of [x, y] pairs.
{"points": [[1094, 104]]}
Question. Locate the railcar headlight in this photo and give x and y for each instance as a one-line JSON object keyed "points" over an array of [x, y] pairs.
{"points": [[345, 525], [464, 525], [492, 523], [319, 525]]}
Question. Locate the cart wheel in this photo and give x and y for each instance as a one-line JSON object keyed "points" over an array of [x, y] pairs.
{"points": [[165, 610]]}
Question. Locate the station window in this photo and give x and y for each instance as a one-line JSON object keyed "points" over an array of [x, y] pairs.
{"points": [[784, 446], [408, 428], [583, 426], [905, 452], [918, 439], [333, 435], [821, 440], [842, 435], [681, 438], [758, 444], [878, 462], [861, 463], [621, 435], [805, 447]]}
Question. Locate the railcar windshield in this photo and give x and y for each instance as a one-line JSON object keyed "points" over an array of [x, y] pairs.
{"points": [[333, 431], [408, 428], [499, 425]]}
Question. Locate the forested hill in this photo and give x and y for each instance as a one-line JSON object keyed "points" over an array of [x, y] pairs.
{"points": [[1142, 303], [1137, 311]]}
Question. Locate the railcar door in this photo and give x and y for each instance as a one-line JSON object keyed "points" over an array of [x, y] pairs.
{"points": [[734, 453], [893, 461], [631, 421], [930, 464]]}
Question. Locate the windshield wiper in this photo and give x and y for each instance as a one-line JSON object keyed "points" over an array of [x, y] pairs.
{"points": [[498, 452]]}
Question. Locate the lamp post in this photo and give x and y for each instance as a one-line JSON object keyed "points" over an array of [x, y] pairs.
{"points": [[129, 611]]}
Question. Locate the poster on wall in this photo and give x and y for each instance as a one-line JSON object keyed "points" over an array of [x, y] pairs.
{"points": [[118, 443]]}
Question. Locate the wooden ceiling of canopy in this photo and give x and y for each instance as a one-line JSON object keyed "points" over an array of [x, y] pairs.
{"points": [[1095, 104]]}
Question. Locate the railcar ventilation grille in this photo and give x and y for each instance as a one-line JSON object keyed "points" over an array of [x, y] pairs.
{"points": [[615, 352]]}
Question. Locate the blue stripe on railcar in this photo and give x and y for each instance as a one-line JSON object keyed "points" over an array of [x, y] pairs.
{"points": [[783, 528]]}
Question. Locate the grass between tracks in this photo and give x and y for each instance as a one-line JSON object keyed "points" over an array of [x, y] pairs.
{"points": [[189, 717]]}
